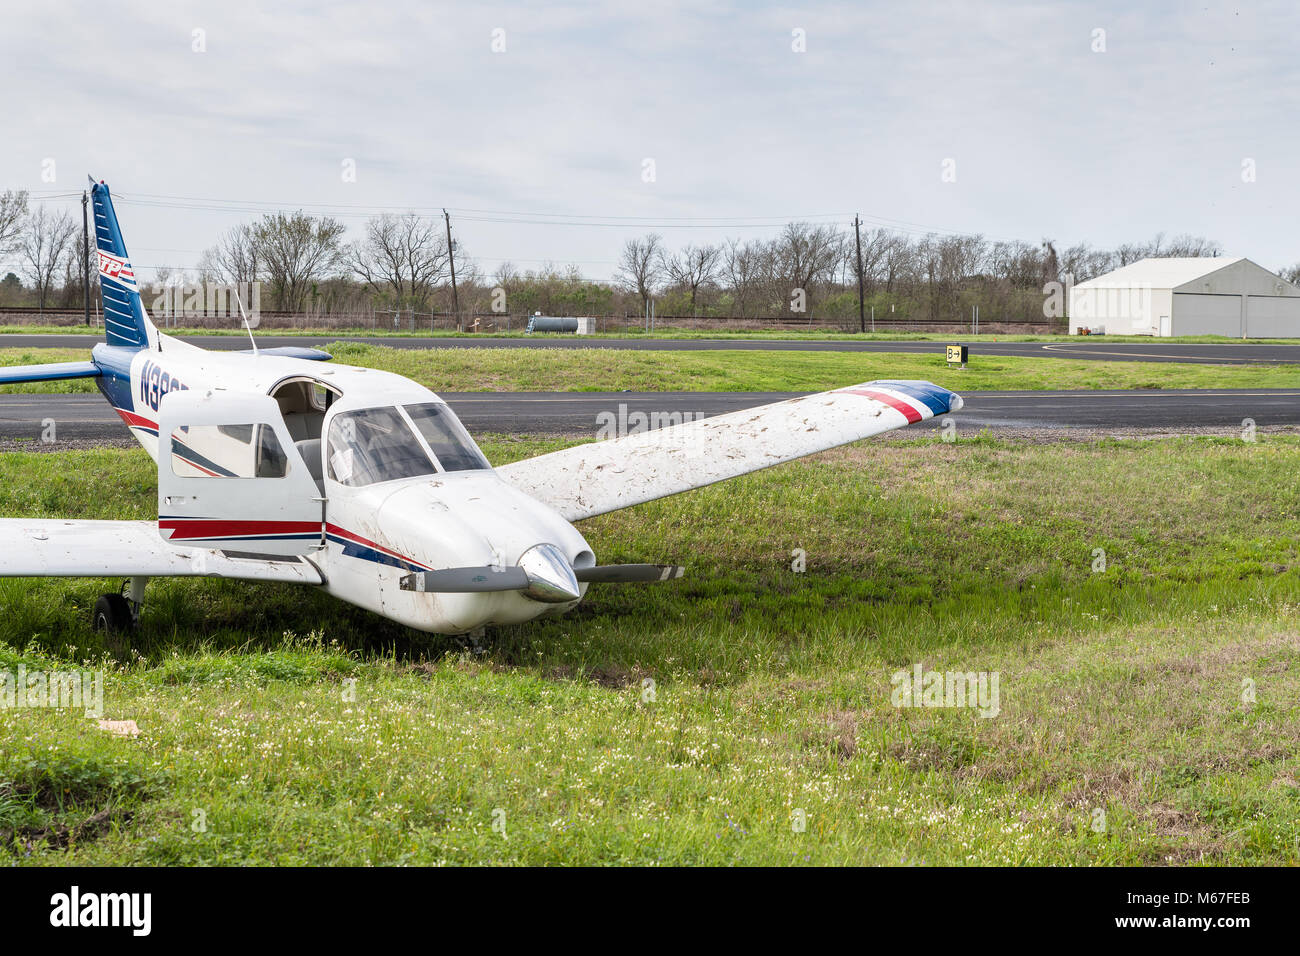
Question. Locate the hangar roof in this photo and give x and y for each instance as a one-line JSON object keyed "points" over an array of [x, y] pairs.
{"points": [[1167, 273]]}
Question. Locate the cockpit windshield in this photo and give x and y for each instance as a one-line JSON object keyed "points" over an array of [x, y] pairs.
{"points": [[377, 444], [374, 445], [447, 438]]}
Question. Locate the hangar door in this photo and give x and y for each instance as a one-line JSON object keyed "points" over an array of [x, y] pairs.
{"points": [[1198, 313], [1273, 316]]}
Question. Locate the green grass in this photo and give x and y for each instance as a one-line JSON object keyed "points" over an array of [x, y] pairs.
{"points": [[302, 731], [467, 370], [454, 370]]}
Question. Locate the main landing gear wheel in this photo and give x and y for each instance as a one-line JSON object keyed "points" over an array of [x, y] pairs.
{"points": [[118, 614], [112, 615]]}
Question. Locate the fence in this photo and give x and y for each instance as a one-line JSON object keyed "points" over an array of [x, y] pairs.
{"points": [[493, 323]]}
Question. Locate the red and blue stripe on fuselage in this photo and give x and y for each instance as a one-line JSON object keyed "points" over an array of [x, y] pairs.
{"points": [[135, 401]]}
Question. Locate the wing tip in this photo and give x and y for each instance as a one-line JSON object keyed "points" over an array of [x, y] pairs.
{"points": [[939, 399]]}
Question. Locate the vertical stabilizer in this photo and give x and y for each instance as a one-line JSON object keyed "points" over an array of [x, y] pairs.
{"points": [[125, 321]]}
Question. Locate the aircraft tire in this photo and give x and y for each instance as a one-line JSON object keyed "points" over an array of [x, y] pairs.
{"points": [[112, 615]]}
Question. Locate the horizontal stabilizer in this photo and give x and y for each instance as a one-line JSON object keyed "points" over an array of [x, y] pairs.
{"points": [[53, 372]]}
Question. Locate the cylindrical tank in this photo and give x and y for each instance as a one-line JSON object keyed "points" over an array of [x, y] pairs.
{"points": [[548, 323]]}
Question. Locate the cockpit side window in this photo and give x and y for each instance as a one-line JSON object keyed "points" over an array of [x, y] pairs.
{"points": [[374, 445], [447, 438]]}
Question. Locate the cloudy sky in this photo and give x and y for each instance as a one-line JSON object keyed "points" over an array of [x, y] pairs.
{"points": [[1053, 128]]}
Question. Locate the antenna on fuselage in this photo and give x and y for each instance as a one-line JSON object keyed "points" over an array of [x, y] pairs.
{"points": [[240, 302]]}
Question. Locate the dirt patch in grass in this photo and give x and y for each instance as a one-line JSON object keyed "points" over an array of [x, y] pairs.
{"points": [[46, 800], [610, 676], [838, 738], [942, 748], [59, 836]]}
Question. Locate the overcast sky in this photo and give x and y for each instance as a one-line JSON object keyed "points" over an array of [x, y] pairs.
{"points": [[1047, 136]]}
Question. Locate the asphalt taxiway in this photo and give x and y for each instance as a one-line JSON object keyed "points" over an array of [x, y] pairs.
{"points": [[88, 417]]}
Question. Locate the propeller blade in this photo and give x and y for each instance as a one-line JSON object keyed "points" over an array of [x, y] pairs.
{"points": [[466, 580], [471, 580], [628, 573]]}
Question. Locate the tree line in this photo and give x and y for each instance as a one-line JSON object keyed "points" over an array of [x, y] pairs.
{"points": [[402, 262]]}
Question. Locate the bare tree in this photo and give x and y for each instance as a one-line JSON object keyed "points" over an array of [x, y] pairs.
{"points": [[47, 239], [639, 266], [77, 259], [692, 268], [1192, 247], [1291, 273], [506, 276], [234, 259], [405, 255], [804, 255], [1159, 247], [13, 210], [901, 264], [877, 246], [1082, 262], [743, 268], [298, 251]]}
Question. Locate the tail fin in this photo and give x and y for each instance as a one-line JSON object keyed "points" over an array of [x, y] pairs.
{"points": [[125, 321]]}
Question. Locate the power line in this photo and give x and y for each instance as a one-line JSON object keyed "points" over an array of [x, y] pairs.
{"points": [[518, 217], [522, 218], [508, 217], [550, 218], [206, 203], [645, 223]]}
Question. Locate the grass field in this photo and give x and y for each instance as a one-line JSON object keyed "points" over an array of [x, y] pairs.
{"points": [[1149, 711], [665, 332], [469, 370]]}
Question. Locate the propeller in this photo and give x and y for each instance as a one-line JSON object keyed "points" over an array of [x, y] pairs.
{"points": [[463, 580], [543, 574]]}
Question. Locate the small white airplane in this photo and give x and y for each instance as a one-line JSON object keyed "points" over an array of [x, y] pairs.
{"points": [[274, 467]]}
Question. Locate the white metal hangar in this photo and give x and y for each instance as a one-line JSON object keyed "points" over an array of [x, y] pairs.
{"points": [[1188, 296]]}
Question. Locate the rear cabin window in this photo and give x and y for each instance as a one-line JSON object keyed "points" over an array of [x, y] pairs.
{"points": [[227, 451]]}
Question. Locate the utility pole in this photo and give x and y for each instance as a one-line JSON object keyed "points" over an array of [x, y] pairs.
{"points": [[451, 258], [857, 234], [85, 255]]}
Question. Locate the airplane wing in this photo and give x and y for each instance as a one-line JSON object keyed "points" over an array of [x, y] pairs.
{"points": [[596, 478], [36, 547]]}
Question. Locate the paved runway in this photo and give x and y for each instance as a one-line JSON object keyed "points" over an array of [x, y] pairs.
{"points": [[89, 417], [1153, 351]]}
